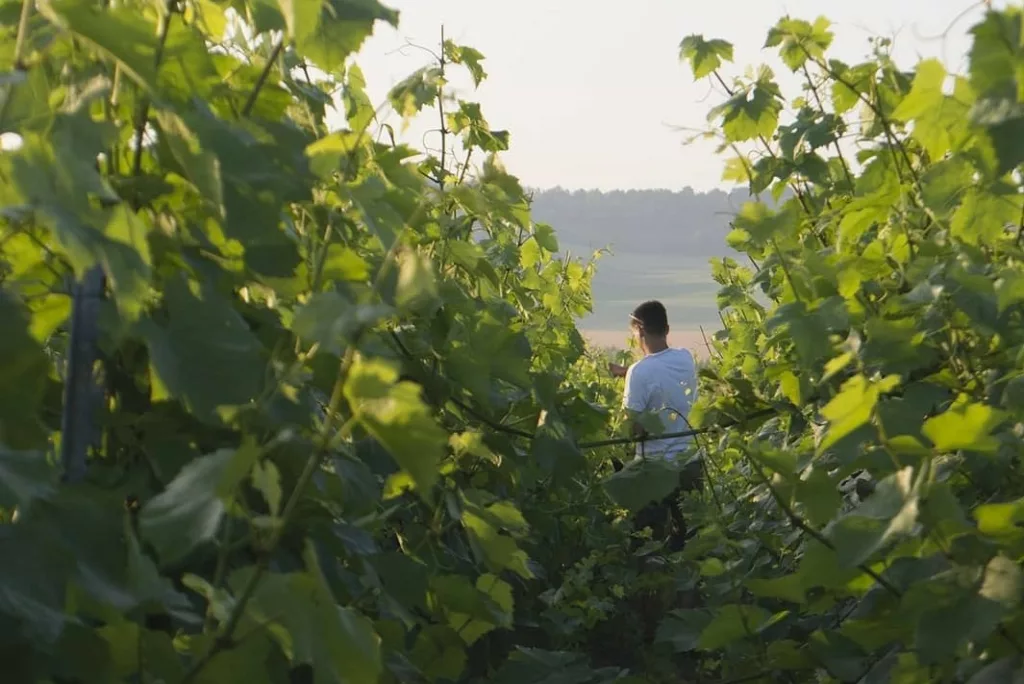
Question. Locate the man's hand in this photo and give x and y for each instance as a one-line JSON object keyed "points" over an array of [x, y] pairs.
{"points": [[617, 370]]}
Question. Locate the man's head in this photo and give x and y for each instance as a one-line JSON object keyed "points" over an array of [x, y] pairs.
{"points": [[649, 322]]}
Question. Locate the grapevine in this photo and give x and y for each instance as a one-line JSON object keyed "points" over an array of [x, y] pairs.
{"points": [[282, 401]]}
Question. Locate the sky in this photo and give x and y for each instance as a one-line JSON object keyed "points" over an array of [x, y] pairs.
{"points": [[593, 91]]}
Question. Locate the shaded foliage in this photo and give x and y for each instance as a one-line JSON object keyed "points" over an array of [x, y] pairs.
{"points": [[341, 426]]}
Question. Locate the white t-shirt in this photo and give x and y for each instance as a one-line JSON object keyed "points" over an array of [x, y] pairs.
{"points": [[666, 383]]}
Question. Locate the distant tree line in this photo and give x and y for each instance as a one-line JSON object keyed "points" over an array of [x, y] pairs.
{"points": [[641, 221]]}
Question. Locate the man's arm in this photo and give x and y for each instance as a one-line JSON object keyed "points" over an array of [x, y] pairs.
{"points": [[617, 370]]}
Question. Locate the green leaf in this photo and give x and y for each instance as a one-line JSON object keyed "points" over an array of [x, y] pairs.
{"points": [[704, 56], [394, 414], [925, 94], [545, 236], [126, 36], [332, 320], [682, 629], [340, 30], [789, 588], [267, 479], [33, 589], [58, 178], [1008, 670], [301, 17], [819, 496], [205, 356], [490, 607], [640, 482], [419, 89], [1001, 520], [752, 112], [403, 577], [853, 406], [498, 551], [731, 623], [800, 40], [851, 83], [344, 264], [246, 661], [888, 514], [24, 368], [187, 157], [439, 654], [984, 214], [1003, 582], [188, 512], [417, 287], [969, 617], [24, 476], [467, 56], [339, 644], [476, 132], [994, 57], [327, 154], [965, 425], [763, 225]]}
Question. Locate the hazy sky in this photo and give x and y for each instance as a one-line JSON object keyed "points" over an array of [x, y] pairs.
{"points": [[591, 89]]}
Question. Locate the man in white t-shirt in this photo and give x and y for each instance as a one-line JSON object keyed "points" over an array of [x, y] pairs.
{"points": [[662, 383]]}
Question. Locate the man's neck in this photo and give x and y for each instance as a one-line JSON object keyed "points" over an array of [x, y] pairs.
{"points": [[656, 346]]}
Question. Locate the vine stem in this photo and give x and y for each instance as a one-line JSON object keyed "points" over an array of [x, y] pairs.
{"points": [[767, 147], [821, 107], [493, 424], [250, 102], [309, 469], [440, 109], [895, 144], [19, 41], [817, 536], [140, 124], [19, 46]]}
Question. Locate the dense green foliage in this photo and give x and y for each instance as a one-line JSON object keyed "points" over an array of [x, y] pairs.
{"points": [[346, 429]]}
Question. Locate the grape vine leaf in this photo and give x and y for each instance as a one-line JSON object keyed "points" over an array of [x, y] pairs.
{"points": [[339, 644], [752, 112], [23, 371], [926, 92], [340, 29], [24, 476], [704, 56], [205, 355], [731, 622], [470, 57], [965, 425], [393, 412], [800, 40], [853, 406], [889, 513], [640, 482], [189, 511]]}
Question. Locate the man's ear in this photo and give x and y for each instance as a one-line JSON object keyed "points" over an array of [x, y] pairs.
{"points": [[668, 329]]}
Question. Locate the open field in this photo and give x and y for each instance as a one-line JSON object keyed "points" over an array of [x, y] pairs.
{"points": [[683, 284]]}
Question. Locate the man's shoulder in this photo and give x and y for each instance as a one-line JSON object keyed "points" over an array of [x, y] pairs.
{"points": [[683, 352], [672, 356]]}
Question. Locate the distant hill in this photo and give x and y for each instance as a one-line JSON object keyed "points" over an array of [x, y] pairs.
{"points": [[640, 221], [661, 242]]}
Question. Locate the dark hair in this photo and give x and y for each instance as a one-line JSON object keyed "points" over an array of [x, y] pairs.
{"points": [[651, 318]]}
